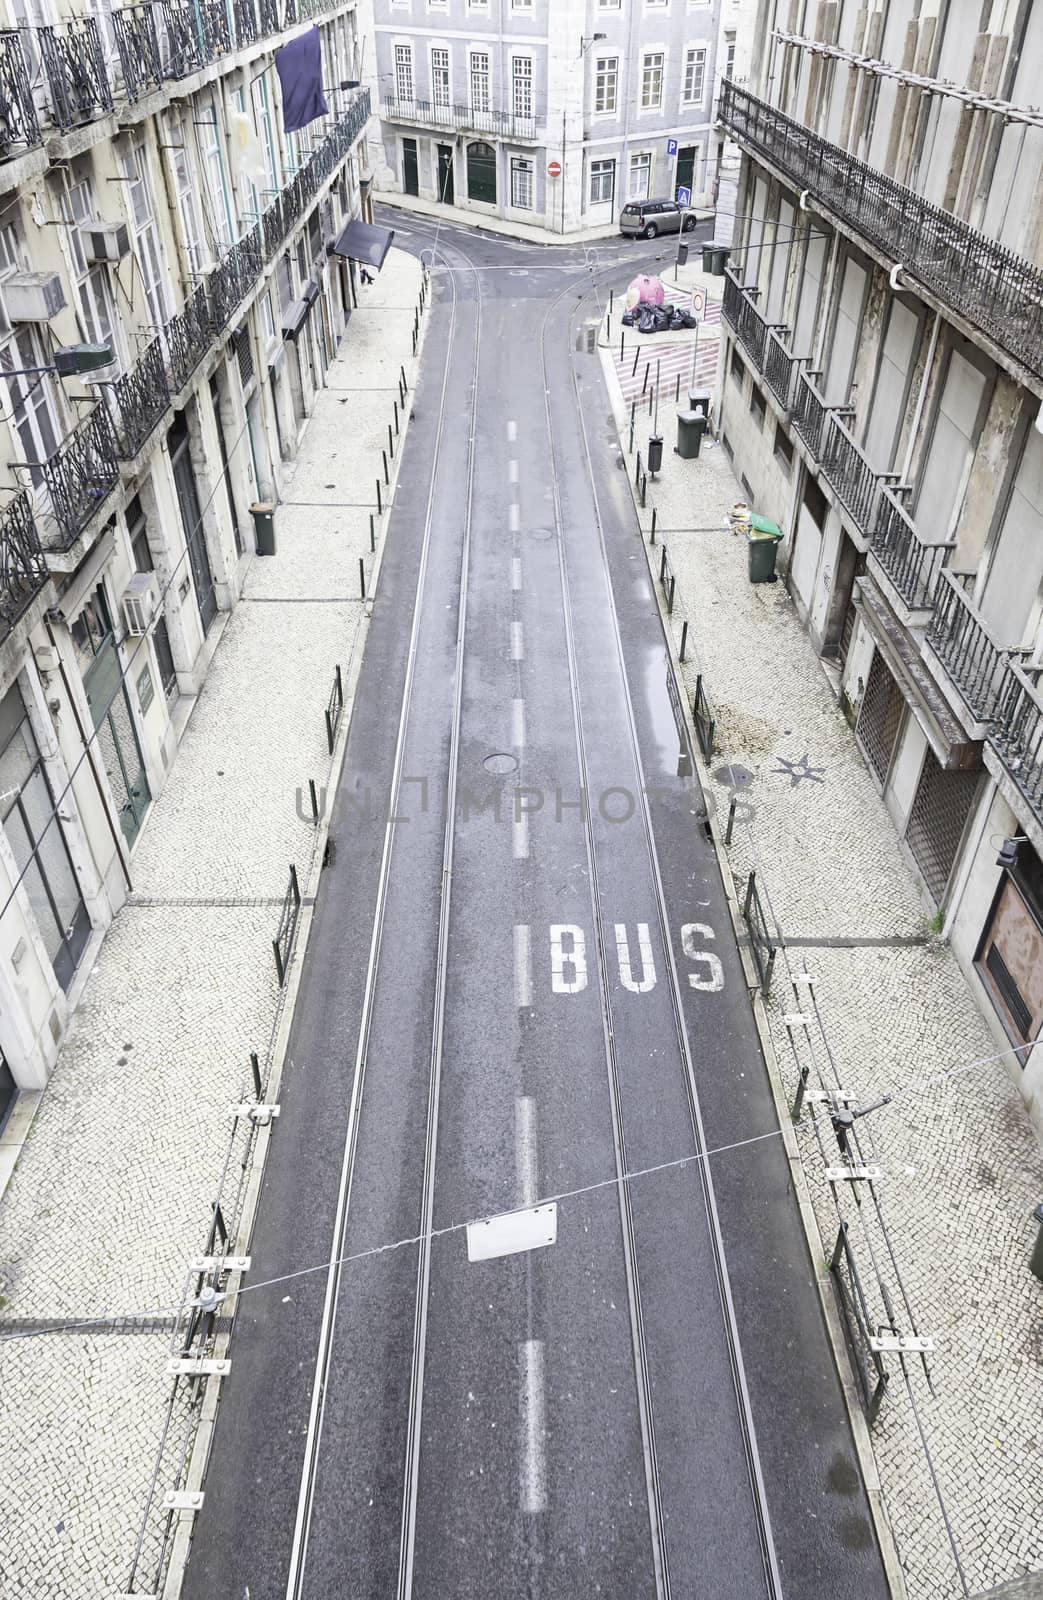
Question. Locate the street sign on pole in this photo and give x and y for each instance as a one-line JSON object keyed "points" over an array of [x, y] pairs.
{"points": [[671, 147], [554, 169], [684, 198]]}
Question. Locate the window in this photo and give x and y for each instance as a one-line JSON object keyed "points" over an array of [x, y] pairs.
{"points": [[640, 174], [265, 130], [521, 182], [757, 405], [441, 93], [606, 79], [185, 189], [729, 54], [602, 182], [694, 76], [151, 265], [652, 80], [521, 5], [522, 78], [608, 5], [219, 213], [479, 80], [93, 291], [736, 367], [783, 448], [404, 71]]}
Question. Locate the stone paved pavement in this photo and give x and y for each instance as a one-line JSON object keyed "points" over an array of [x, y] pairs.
{"points": [[110, 1198], [961, 1169]]}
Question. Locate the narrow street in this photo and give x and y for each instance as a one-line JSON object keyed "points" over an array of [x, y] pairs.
{"points": [[522, 991]]}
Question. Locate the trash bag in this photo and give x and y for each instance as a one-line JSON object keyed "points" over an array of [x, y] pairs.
{"points": [[646, 320], [629, 318], [660, 319]]}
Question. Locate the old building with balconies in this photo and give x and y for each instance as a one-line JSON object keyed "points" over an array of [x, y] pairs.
{"points": [[150, 204], [880, 397], [552, 113]]}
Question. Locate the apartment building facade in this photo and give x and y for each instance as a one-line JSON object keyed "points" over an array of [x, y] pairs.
{"points": [[150, 202], [880, 396], [546, 112]]}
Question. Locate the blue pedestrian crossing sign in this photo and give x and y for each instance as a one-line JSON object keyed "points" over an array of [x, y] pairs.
{"points": [[671, 147], [684, 197]]}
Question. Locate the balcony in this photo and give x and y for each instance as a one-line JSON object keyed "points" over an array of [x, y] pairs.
{"points": [[780, 368], [809, 411], [23, 570], [137, 42], [967, 649], [994, 290], [76, 77], [184, 50], [459, 119], [19, 128], [914, 569], [78, 479], [138, 400], [1017, 735]]}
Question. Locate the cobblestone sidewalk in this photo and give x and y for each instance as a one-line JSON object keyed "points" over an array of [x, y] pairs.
{"points": [[111, 1196], [961, 1169]]}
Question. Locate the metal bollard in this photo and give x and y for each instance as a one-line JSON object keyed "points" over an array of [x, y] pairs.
{"points": [[655, 519], [731, 821], [362, 576], [395, 404], [637, 470], [372, 533], [380, 507], [637, 357], [255, 1068], [622, 343], [314, 801], [402, 379], [684, 640], [391, 443], [387, 475]]}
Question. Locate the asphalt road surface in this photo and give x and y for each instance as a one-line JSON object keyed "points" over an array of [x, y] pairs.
{"points": [[519, 991]]}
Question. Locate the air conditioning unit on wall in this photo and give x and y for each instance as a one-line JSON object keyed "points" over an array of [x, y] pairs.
{"points": [[33, 296], [105, 241], [140, 602]]}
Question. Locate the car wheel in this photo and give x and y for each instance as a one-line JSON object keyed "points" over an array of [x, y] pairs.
{"points": [[651, 231], [689, 224]]}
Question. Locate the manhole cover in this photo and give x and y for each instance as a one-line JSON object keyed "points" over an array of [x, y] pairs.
{"points": [[733, 777], [500, 763], [541, 533]]}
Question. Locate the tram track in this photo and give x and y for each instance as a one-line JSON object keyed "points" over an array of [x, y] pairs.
{"points": [[772, 1574]]}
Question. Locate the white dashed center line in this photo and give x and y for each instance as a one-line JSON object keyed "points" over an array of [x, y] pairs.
{"points": [[516, 573], [532, 1467], [517, 642], [522, 964], [518, 724]]}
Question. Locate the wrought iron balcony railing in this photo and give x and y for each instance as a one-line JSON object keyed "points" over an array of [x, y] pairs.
{"points": [[138, 45], [847, 469], [269, 16], [138, 400], [184, 48], [247, 26], [809, 411], [780, 368], [19, 127], [998, 292], [217, 32], [78, 479], [23, 570], [967, 648], [459, 119], [74, 62], [188, 335], [912, 567], [1017, 733]]}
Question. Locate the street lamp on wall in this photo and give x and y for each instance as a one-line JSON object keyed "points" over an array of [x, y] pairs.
{"points": [[587, 40], [69, 361]]}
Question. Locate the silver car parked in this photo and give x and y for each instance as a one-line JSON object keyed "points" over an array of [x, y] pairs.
{"points": [[647, 218]]}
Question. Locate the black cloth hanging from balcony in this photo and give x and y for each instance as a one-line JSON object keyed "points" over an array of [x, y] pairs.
{"points": [[299, 65], [361, 241]]}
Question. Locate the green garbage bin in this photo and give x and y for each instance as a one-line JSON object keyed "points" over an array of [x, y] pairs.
{"points": [[720, 260], [763, 541], [263, 513], [1036, 1262], [708, 257], [691, 425]]}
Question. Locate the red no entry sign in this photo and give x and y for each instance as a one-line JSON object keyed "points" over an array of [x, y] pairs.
{"points": [[554, 168]]}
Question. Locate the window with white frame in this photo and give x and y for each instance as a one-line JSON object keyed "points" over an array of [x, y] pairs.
{"points": [[521, 5], [606, 83], [147, 248], [441, 90], [218, 217], [521, 73], [652, 80], [477, 5], [602, 182], [640, 174], [266, 130], [694, 76], [609, 5], [404, 71], [179, 131], [33, 403], [267, 318], [93, 289], [522, 178], [480, 80], [729, 55]]}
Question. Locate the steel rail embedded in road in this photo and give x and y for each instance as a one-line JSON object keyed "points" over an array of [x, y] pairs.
{"points": [[771, 1569], [299, 1550], [416, 1386]]}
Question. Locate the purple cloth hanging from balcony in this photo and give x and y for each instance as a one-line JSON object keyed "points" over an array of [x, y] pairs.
{"points": [[300, 73]]}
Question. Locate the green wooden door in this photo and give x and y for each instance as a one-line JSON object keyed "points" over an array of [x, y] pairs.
{"points": [[481, 173]]}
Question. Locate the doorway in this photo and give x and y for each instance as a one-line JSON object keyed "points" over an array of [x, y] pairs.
{"points": [[226, 472], [481, 173], [192, 521], [446, 175], [410, 167], [685, 177], [111, 716]]}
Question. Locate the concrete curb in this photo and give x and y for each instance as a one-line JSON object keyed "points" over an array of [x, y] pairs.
{"points": [[809, 1222], [525, 233], [201, 1444]]}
